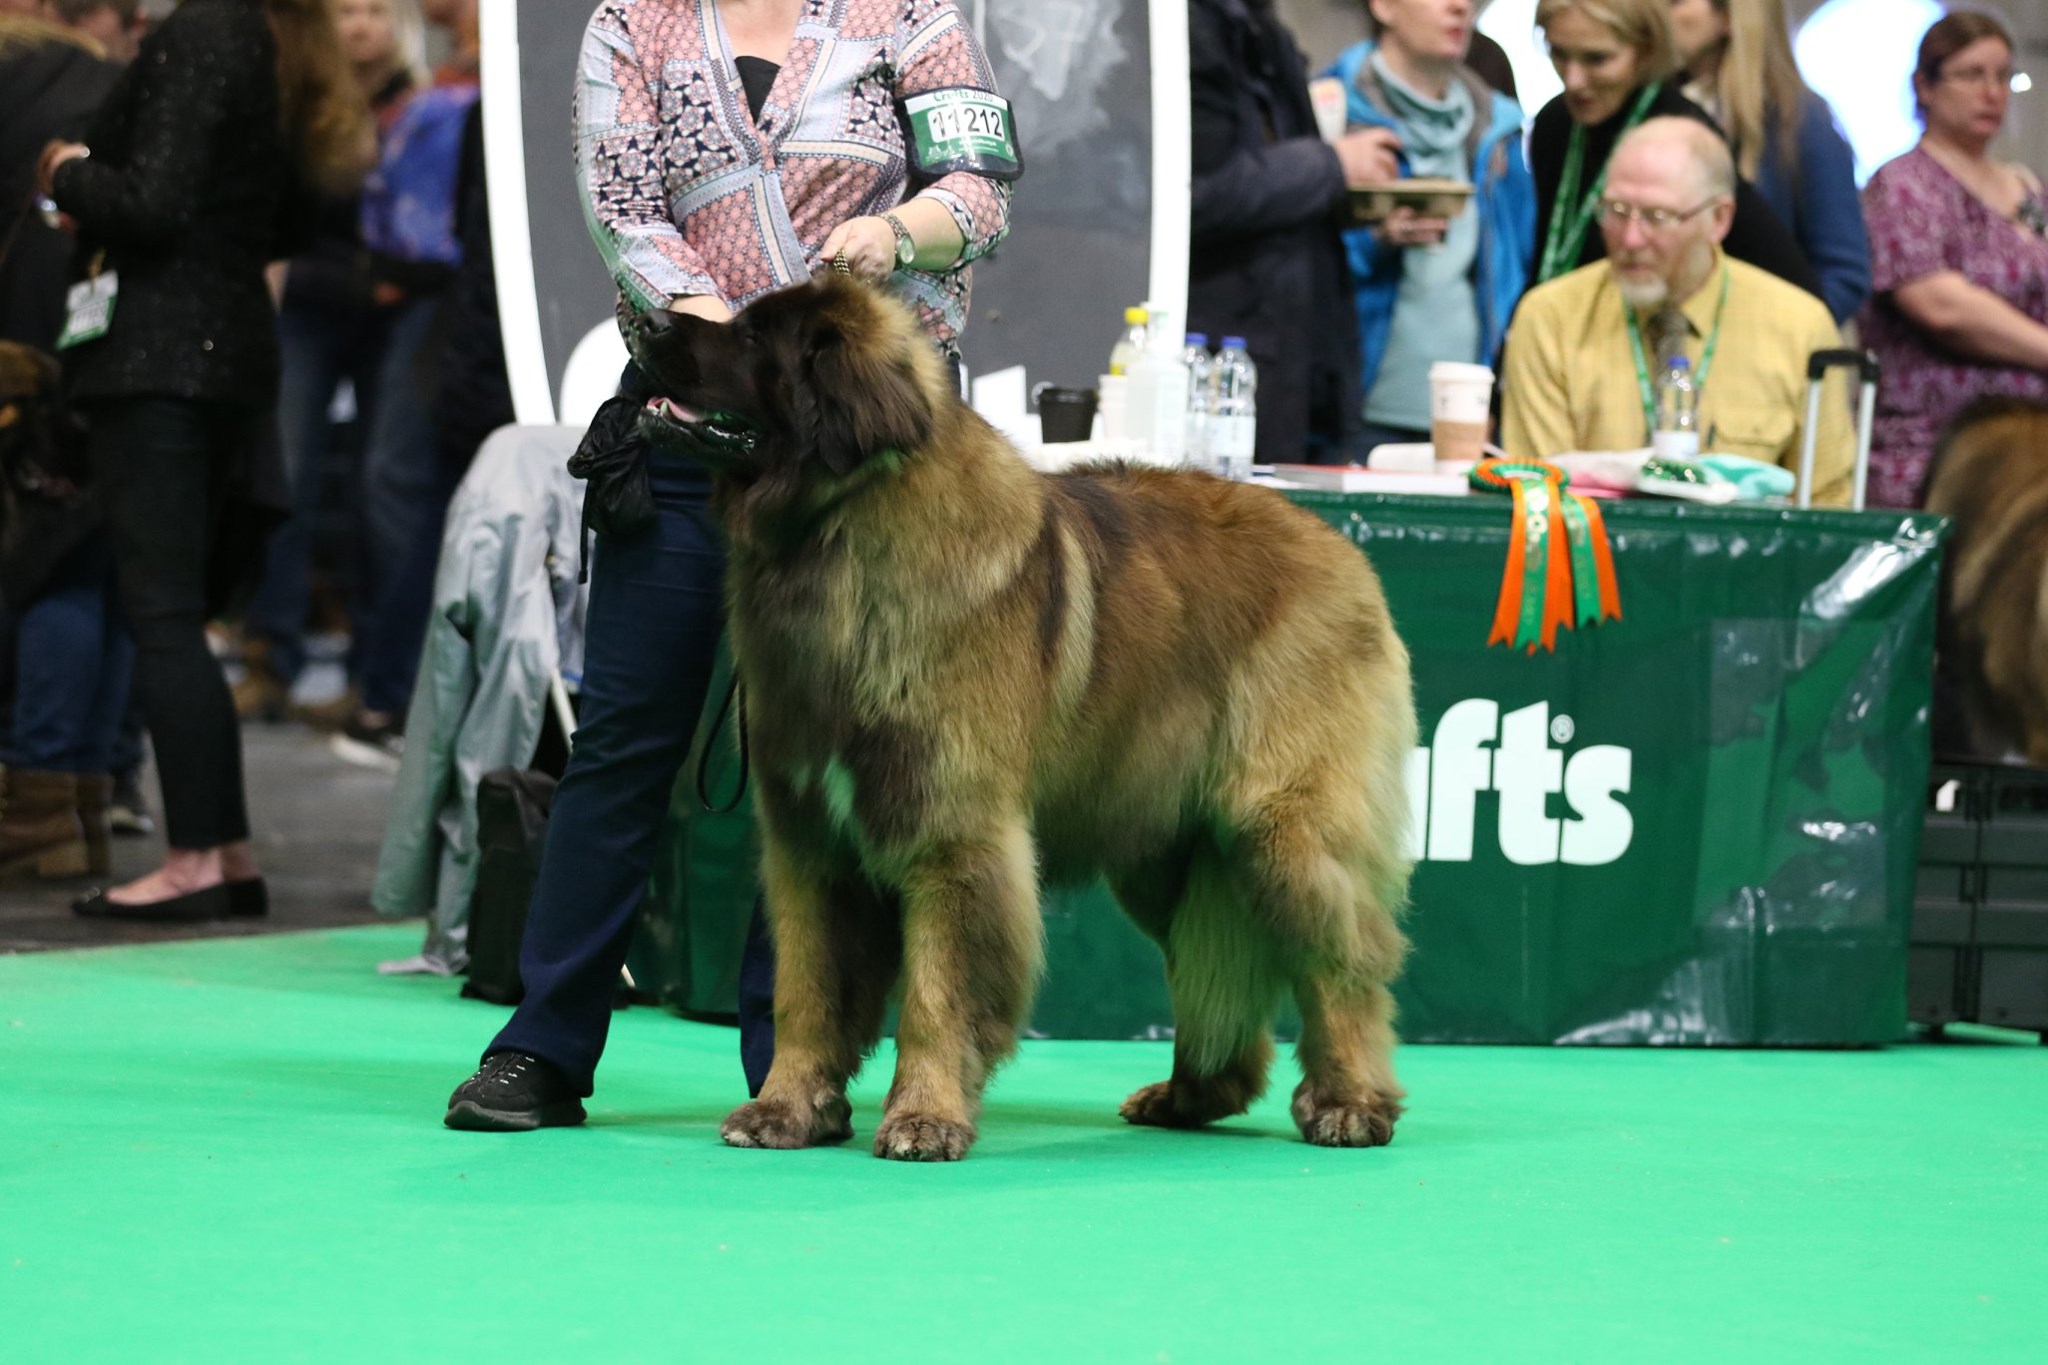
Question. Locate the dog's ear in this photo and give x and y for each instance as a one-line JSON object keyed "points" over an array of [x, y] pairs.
{"points": [[856, 390]]}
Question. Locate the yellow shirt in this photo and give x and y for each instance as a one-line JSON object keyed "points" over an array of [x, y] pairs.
{"points": [[1568, 381]]}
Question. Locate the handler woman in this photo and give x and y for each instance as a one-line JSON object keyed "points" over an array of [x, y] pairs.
{"points": [[684, 109]]}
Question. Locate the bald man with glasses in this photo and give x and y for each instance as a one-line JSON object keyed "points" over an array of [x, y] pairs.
{"points": [[1585, 349]]}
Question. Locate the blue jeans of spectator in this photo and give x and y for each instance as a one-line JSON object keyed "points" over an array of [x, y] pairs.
{"points": [[405, 496], [657, 608], [72, 663], [319, 348], [389, 659]]}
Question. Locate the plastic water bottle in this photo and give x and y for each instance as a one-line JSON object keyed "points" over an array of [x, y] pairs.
{"points": [[1233, 412], [1677, 436], [1131, 344], [1201, 371], [1159, 394]]}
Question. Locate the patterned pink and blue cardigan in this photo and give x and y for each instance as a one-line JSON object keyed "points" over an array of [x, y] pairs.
{"points": [[687, 195]]}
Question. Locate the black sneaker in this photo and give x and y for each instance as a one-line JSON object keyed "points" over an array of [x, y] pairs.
{"points": [[514, 1092]]}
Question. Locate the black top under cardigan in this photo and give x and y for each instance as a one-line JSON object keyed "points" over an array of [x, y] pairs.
{"points": [[1757, 235], [187, 190], [1267, 260]]}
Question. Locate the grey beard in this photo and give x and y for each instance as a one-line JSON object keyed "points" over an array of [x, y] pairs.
{"points": [[1644, 296]]}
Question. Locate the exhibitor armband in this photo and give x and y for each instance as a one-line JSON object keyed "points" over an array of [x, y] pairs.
{"points": [[961, 128]]}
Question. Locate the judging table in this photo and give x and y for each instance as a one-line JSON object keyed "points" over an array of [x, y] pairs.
{"points": [[1695, 825]]}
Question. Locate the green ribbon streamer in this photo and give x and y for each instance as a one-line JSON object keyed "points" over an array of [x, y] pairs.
{"points": [[1535, 560], [1585, 569]]}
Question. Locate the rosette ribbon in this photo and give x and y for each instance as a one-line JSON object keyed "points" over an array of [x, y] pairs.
{"points": [[1560, 569]]}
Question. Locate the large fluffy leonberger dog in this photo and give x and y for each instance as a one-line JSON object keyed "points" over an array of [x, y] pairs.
{"points": [[962, 674], [1990, 475]]}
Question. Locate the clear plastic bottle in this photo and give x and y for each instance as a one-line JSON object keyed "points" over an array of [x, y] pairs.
{"points": [[1159, 394], [1131, 344], [1677, 436], [1233, 413], [1201, 371]]}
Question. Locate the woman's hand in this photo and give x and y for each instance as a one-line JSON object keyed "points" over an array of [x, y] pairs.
{"points": [[1370, 156], [707, 306], [869, 245], [55, 155], [1405, 227]]}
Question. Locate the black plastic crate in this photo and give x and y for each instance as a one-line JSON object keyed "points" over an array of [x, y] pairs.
{"points": [[2012, 988], [1979, 945]]}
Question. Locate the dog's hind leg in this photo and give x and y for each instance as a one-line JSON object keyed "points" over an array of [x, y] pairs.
{"points": [[972, 949], [838, 950], [1226, 980], [1327, 881]]}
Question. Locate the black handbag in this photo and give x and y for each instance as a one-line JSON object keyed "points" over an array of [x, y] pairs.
{"points": [[512, 807], [618, 497]]}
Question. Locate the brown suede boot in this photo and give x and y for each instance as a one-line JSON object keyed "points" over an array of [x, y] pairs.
{"points": [[93, 794], [261, 695], [39, 828]]}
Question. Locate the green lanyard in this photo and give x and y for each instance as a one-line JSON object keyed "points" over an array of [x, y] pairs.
{"points": [[1561, 245], [1699, 384]]}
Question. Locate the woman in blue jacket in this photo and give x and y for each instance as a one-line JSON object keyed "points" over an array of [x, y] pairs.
{"points": [[1739, 67], [1431, 289]]}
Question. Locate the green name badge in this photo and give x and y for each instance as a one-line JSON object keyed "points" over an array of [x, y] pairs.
{"points": [[88, 310], [963, 129]]}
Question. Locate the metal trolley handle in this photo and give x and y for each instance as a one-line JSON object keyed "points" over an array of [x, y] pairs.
{"points": [[1817, 367]]}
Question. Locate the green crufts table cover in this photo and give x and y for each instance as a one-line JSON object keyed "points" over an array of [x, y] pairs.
{"points": [[1697, 825]]}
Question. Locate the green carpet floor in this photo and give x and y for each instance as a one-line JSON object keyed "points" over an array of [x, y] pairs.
{"points": [[231, 1151]]}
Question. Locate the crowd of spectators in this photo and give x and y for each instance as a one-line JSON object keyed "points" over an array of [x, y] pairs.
{"points": [[1939, 266], [288, 213]]}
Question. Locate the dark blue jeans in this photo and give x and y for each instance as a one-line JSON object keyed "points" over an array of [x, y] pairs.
{"points": [[319, 348], [656, 612], [72, 662], [405, 498]]}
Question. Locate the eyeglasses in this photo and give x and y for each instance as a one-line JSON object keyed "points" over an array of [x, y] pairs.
{"points": [[1979, 76], [1619, 214]]}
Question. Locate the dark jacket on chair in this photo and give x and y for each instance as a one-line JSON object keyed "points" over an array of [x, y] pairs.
{"points": [[187, 192], [1268, 259]]}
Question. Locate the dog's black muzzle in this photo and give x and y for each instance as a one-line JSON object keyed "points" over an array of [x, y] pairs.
{"points": [[659, 344]]}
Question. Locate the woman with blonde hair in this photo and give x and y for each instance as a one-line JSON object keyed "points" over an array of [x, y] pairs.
{"points": [[188, 184], [1738, 66], [1619, 67]]}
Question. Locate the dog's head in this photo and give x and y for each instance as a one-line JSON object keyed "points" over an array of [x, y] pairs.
{"points": [[38, 438], [804, 387]]}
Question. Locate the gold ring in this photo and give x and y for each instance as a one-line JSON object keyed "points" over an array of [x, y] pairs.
{"points": [[839, 263]]}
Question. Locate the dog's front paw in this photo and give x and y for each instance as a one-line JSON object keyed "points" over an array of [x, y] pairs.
{"points": [[1346, 1123], [1153, 1106], [773, 1123], [922, 1137]]}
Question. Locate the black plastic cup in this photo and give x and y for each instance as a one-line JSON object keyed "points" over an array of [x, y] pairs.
{"points": [[1065, 415]]}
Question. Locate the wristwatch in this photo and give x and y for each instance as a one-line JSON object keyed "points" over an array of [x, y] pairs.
{"points": [[906, 249]]}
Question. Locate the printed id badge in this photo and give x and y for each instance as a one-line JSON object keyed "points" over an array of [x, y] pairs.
{"points": [[89, 310], [962, 128]]}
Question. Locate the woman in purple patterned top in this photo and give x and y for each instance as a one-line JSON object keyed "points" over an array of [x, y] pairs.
{"points": [[727, 149], [1959, 263]]}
